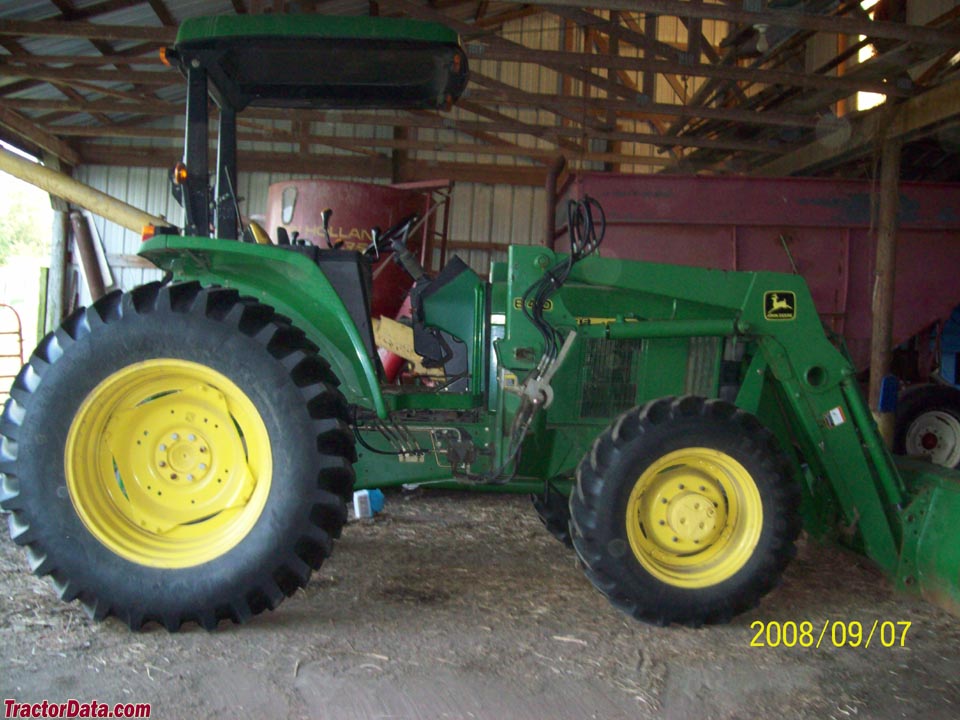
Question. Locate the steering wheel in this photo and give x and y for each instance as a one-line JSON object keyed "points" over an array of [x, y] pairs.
{"points": [[383, 242]]}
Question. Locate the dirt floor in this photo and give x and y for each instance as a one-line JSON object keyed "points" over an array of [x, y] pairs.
{"points": [[462, 606]]}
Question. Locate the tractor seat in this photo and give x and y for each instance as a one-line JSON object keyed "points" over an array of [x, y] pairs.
{"points": [[352, 279]]}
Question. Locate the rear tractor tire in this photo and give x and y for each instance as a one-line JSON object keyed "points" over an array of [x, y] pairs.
{"points": [[176, 454], [928, 424], [684, 512]]}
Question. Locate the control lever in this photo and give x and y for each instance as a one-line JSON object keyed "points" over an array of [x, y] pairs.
{"points": [[403, 255], [325, 216]]}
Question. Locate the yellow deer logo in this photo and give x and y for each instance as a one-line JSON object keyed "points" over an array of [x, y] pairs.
{"points": [[777, 304], [780, 305]]}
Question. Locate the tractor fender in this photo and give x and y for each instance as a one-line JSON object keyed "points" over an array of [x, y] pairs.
{"points": [[290, 283]]}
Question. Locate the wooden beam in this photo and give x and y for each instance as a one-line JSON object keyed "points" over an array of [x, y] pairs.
{"points": [[90, 31], [163, 13], [18, 52], [359, 145], [611, 47], [440, 122], [101, 8], [587, 19], [570, 61], [780, 18], [24, 128], [504, 16], [910, 118], [325, 165], [483, 131], [467, 173], [92, 153], [518, 126], [140, 107], [640, 108], [85, 60], [84, 74], [491, 40]]}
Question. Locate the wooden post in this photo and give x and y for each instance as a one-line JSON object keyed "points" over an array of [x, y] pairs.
{"points": [[398, 158], [881, 340], [553, 180], [56, 300], [88, 256]]}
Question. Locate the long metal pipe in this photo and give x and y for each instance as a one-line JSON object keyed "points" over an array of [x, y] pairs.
{"points": [[61, 185]]}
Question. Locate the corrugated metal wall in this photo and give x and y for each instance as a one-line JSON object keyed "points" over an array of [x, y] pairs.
{"points": [[479, 214]]}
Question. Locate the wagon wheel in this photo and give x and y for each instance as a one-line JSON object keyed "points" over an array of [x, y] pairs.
{"points": [[928, 424]]}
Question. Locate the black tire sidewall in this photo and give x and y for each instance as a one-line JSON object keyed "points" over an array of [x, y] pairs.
{"points": [[727, 597], [66, 384], [918, 401]]}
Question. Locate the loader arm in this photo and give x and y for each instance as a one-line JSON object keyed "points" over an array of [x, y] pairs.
{"points": [[791, 377], [900, 513]]}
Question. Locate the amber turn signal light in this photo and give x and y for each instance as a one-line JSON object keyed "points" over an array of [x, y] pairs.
{"points": [[179, 174]]}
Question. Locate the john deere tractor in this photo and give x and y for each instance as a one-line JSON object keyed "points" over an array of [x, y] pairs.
{"points": [[184, 452]]}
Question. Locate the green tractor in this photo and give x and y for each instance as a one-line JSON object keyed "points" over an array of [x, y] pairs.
{"points": [[185, 451]]}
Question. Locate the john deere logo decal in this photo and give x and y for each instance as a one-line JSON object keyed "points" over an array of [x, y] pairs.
{"points": [[780, 305]]}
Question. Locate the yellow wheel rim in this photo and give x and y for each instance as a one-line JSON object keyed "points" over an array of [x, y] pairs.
{"points": [[168, 463], [694, 517]]}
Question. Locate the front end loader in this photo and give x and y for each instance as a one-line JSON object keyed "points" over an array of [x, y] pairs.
{"points": [[184, 452]]}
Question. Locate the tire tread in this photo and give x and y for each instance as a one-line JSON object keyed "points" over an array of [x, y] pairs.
{"points": [[309, 373]]}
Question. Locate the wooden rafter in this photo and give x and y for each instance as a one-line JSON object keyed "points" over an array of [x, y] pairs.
{"points": [[90, 75], [901, 121], [90, 31], [746, 114], [90, 11], [573, 62], [22, 127], [641, 109], [493, 144], [783, 18], [331, 165], [163, 13]]}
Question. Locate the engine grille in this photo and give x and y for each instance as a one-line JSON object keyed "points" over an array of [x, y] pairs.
{"points": [[608, 379]]}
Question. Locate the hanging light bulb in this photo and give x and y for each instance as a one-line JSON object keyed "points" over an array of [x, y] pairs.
{"points": [[762, 44]]}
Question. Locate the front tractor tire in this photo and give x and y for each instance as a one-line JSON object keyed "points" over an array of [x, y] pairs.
{"points": [[176, 454], [553, 509], [683, 512]]}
